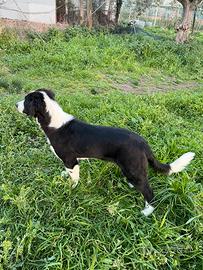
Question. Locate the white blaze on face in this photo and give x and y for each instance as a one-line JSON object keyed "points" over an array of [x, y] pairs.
{"points": [[57, 115], [20, 106]]}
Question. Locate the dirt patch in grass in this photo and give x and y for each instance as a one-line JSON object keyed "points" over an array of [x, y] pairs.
{"points": [[23, 25], [149, 85]]}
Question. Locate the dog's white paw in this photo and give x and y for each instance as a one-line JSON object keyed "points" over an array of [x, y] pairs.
{"points": [[148, 209], [74, 184], [64, 174], [130, 185]]}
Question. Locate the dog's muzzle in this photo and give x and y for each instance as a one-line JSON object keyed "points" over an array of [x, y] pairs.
{"points": [[20, 106]]}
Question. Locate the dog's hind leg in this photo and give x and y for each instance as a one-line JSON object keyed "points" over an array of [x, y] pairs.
{"points": [[142, 185], [140, 182], [136, 172]]}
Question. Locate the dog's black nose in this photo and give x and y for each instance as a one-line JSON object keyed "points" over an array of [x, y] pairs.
{"points": [[16, 105]]}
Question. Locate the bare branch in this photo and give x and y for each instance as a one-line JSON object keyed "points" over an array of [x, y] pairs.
{"points": [[183, 2]]}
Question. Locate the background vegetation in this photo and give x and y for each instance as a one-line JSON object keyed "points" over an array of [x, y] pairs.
{"points": [[44, 224]]}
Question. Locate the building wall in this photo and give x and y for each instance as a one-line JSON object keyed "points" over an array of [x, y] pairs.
{"points": [[43, 11]]}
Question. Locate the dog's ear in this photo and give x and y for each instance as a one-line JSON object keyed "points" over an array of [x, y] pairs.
{"points": [[38, 106], [49, 93], [30, 110]]}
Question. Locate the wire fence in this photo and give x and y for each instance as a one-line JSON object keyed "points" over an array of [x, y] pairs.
{"points": [[164, 16]]}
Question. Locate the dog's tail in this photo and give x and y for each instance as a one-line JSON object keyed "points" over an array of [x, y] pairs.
{"points": [[177, 166]]}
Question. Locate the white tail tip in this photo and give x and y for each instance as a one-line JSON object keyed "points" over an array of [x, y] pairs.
{"points": [[179, 164]]}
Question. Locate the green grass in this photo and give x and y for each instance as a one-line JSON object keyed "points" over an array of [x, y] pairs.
{"points": [[44, 224]]}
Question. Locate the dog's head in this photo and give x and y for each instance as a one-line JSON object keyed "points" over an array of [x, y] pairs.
{"points": [[34, 103]]}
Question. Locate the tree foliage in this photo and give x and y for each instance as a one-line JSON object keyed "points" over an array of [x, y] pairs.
{"points": [[138, 7]]}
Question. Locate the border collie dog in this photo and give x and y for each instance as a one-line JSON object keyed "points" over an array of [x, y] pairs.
{"points": [[71, 140]]}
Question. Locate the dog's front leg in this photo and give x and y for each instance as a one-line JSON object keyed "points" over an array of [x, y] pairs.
{"points": [[74, 174], [73, 170]]}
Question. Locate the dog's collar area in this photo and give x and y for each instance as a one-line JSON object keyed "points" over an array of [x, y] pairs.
{"points": [[67, 118], [57, 116]]}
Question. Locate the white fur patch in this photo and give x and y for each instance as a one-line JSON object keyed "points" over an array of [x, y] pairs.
{"points": [[64, 174], [130, 185], [148, 209], [57, 115], [179, 164], [20, 106], [38, 122], [74, 174]]}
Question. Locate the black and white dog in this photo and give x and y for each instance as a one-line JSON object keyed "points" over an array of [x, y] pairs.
{"points": [[71, 140]]}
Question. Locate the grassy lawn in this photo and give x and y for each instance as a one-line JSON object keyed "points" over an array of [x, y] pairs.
{"points": [[44, 224]]}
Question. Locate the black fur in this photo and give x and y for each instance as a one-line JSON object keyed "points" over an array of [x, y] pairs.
{"points": [[77, 139]]}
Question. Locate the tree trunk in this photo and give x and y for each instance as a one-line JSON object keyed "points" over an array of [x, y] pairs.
{"points": [[183, 30], [89, 14], [66, 11], [118, 10], [105, 7], [81, 12], [110, 10], [156, 15], [194, 20]]}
